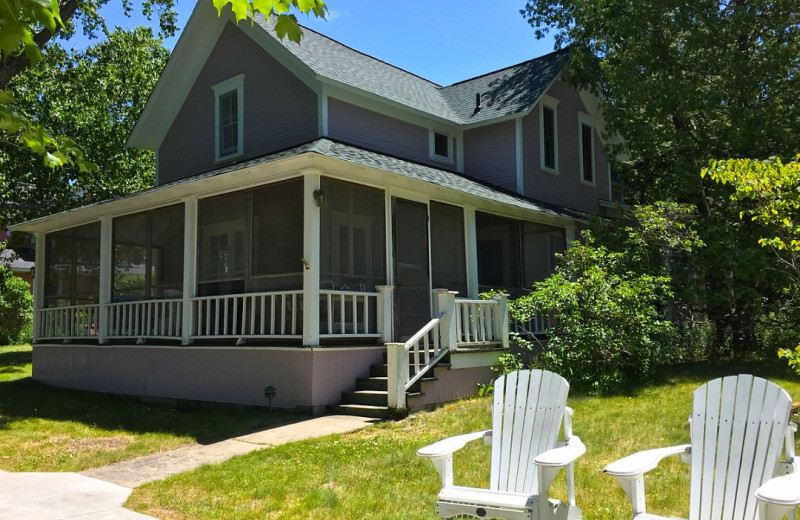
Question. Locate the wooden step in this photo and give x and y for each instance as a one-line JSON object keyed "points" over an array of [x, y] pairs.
{"points": [[363, 410], [367, 397]]}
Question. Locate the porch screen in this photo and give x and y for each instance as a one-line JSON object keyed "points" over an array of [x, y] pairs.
{"points": [[353, 237], [251, 240], [499, 253], [448, 264], [541, 243], [148, 255], [72, 271]]}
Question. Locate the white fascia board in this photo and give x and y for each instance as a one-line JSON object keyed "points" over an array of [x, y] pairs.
{"points": [[176, 80]]}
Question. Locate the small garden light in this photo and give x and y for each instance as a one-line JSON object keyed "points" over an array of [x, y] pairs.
{"points": [[269, 393]]}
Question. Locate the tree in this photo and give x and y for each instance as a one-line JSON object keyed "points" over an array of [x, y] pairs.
{"points": [[95, 96], [682, 83]]}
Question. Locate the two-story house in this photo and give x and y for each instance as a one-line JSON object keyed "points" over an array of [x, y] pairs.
{"points": [[314, 205]]}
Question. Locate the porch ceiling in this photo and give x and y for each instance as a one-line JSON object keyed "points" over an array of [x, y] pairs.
{"points": [[291, 162]]}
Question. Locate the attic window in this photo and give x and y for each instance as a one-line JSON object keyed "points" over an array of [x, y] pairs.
{"points": [[441, 147], [586, 139], [228, 118]]}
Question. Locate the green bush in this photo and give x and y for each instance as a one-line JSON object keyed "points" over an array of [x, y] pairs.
{"points": [[607, 327], [16, 309]]}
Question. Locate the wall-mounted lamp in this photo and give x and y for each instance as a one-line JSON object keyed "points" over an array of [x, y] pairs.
{"points": [[319, 196]]}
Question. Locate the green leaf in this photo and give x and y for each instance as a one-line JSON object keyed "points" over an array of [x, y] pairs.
{"points": [[287, 26]]}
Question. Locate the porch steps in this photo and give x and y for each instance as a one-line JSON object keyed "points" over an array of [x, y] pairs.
{"points": [[371, 398]]}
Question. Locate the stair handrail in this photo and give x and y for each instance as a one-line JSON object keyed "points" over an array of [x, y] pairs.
{"points": [[413, 344]]}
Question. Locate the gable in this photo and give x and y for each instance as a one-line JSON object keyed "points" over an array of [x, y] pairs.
{"points": [[280, 110]]}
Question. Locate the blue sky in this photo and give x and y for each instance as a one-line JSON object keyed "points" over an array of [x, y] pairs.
{"points": [[445, 41]]}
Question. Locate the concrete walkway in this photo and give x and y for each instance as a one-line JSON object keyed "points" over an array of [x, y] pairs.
{"points": [[98, 494]]}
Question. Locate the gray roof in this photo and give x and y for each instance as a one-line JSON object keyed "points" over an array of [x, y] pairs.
{"points": [[402, 167], [505, 92]]}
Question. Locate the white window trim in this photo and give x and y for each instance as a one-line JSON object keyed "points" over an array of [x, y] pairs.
{"points": [[224, 87], [583, 119], [552, 104], [432, 146]]}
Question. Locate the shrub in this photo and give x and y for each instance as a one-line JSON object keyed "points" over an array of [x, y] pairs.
{"points": [[607, 329], [16, 309]]}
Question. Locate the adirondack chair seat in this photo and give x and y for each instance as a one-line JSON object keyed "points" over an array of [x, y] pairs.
{"points": [[739, 428], [529, 408]]}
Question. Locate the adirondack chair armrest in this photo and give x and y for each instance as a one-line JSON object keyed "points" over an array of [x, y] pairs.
{"points": [[643, 461], [781, 491], [448, 446], [562, 456]]}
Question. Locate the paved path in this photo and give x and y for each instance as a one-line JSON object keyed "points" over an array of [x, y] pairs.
{"points": [[98, 494]]}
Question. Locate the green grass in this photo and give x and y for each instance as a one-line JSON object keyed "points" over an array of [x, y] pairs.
{"points": [[44, 428], [375, 473]]}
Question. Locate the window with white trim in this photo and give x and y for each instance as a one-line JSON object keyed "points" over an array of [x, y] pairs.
{"points": [[548, 135], [586, 147], [441, 146], [228, 118]]}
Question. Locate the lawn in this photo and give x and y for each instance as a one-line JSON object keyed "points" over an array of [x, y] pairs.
{"points": [[375, 473], [43, 428]]}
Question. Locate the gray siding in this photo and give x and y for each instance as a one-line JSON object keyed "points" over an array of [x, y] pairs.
{"points": [[490, 154], [365, 128], [280, 111], [566, 188]]}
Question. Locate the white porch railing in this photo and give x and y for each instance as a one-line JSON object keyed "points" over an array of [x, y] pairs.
{"points": [[265, 314], [536, 325], [456, 323], [74, 321], [349, 314], [145, 319]]}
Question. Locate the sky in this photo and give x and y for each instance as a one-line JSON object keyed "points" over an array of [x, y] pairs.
{"points": [[445, 41]]}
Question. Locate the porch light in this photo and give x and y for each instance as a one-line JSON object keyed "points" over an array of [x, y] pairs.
{"points": [[319, 197], [269, 393]]}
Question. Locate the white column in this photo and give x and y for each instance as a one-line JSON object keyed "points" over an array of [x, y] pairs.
{"points": [[39, 275], [471, 241], [501, 320], [385, 312], [397, 374], [572, 235], [189, 267], [106, 274], [444, 301], [311, 259]]}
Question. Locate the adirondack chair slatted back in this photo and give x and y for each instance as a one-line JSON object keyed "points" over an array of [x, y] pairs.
{"points": [[738, 427], [526, 418]]}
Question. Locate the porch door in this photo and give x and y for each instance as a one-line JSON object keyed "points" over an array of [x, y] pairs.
{"points": [[411, 277]]}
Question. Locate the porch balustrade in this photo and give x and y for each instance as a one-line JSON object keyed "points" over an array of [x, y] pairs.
{"points": [[349, 314], [475, 321], [145, 319], [265, 314], [69, 322]]}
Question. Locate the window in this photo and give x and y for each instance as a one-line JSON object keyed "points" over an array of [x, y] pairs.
{"points": [[587, 152], [148, 255], [72, 272], [229, 112], [548, 132], [441, 146]]}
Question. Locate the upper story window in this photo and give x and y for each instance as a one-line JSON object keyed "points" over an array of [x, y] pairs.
{"points": [[548, 134], [441, 145], [229, 118], [586, 147]]}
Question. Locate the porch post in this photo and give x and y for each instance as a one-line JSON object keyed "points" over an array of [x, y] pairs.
{"points": [[397, 374], [106, 275], [571, 236], [39, 275], [385, 312], [311, 258], [471, 242], [501, 320], [444, 301], [189, 267]]}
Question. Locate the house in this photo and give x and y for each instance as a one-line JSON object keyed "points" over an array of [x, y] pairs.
{"points": [[317, 212], [20, 260]]}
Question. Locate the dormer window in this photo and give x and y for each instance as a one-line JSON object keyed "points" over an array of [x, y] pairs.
{"points": [[229, 112], [441, 146], [548, 134]]}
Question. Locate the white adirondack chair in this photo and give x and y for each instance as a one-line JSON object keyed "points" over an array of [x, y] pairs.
{"points": [[529, 408], [739, 428]]}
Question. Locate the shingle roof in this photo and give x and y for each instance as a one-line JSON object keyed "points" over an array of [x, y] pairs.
{"points": [[508, 91]]}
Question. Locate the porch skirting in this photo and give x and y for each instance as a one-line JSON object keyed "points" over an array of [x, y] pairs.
{"points": [[307, 379]]}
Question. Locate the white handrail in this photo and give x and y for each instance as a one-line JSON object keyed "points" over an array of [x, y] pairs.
{"points": [[429, 354]]}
